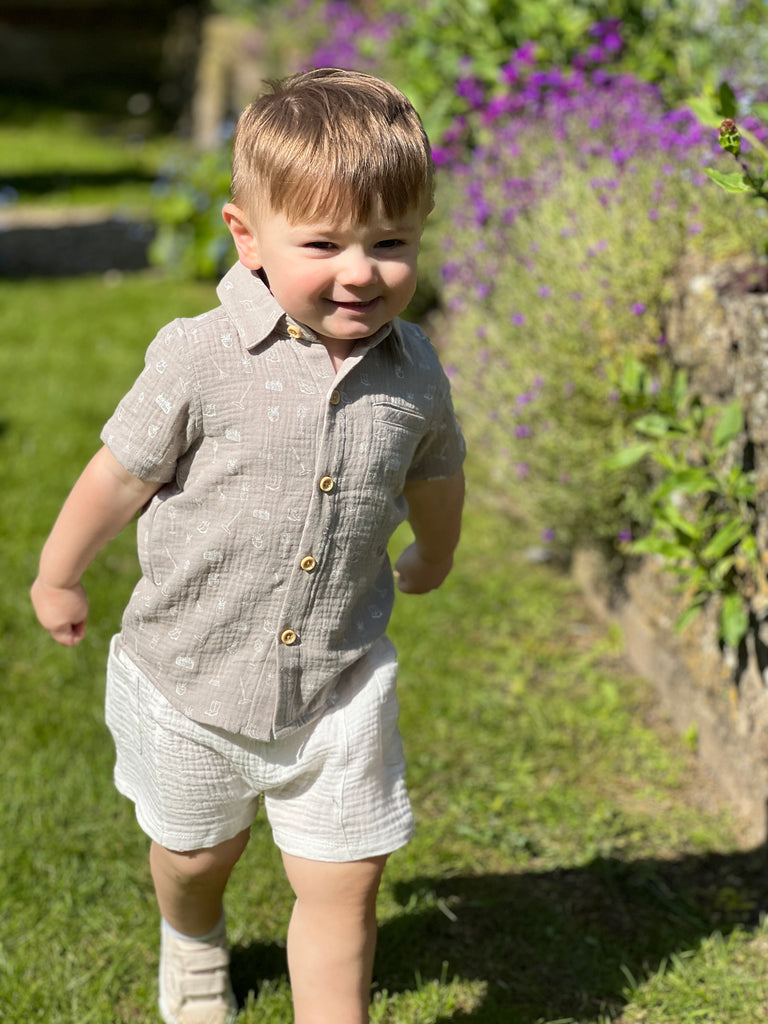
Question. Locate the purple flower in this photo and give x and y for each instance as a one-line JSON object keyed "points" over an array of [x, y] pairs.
{"points": [[548, 535], [443, 157], [625, 536], [523, 469], [471, 89], [518, 319], [638, 308], [522, 431], [526, 54]]}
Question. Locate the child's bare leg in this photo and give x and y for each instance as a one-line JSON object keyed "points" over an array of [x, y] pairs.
{"points": [[332, 938], [190, 886]]}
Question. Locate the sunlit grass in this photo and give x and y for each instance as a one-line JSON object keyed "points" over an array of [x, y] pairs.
{"points": [[66, 159]]}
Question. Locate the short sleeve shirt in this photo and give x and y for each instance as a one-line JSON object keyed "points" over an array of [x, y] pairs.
{"points": [[264, 552]]}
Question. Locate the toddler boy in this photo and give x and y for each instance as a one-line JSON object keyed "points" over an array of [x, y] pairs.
{"points": [[274, 444]]}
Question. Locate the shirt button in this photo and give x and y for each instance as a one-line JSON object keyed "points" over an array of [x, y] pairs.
{"points": [[335, 397], [288, 637], [308, 563], [294, 332], [326, 484]]}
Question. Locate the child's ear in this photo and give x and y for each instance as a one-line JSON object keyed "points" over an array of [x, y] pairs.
{"points": [[244, 238]]}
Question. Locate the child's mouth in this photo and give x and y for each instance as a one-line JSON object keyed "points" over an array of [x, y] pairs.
{"points": [[357, 307]]}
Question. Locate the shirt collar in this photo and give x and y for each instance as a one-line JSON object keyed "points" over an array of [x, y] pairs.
{"points": [[258, 316]]}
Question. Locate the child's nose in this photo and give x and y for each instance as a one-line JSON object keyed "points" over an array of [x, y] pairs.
{"points": [[357, 268]]}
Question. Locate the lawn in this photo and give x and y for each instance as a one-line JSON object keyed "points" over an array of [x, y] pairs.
{"points": [[567, 867], [63, 158]]}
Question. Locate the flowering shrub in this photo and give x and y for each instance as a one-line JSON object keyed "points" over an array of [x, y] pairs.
{"points": [[426, 48], [579, 197]]}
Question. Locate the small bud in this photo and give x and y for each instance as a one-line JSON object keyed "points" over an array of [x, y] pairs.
{"points": [[730, 139]]}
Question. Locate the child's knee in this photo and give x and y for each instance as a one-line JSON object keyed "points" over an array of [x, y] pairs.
{"points": [[188, 866], [355, 883]]}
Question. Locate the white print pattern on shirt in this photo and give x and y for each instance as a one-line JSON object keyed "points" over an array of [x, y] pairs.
{"points": [[239, 424]]}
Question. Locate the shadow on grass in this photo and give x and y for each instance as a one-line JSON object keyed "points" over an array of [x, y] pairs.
{"points": [[555, 944], [254, 964], [35, 185]]}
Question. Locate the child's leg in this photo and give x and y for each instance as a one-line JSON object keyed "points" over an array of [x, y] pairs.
{"points": [[190, 886], [332, 938]]}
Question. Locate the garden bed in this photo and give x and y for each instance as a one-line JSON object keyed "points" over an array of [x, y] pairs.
{"points": [[716, 695]]}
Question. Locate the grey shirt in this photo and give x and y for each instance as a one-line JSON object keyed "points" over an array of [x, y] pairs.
{"points": [[264, 553]]}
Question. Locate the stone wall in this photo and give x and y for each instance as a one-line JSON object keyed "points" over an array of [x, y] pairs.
{"points": [[718, 331]]}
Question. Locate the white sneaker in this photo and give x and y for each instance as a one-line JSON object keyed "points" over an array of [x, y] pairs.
{"points": [[194, 979]]}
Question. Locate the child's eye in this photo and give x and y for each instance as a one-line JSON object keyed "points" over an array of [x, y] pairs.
{"points": [[321, 245], [390, 243]]}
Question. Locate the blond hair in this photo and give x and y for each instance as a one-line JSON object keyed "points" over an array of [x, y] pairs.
{"points": [[332, 143]]}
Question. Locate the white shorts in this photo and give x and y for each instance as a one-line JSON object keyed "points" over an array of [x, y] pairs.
{"points": [[333, 790]]}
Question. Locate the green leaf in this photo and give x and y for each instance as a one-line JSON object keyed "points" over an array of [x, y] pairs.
{"points": [[689, 480], [628, 456], [727, 98], [680, 389], [688, 616], [730, 182], [704, 110], [654, 424], [734, 619], [677, 521], [652, 545], [633, 376], [725, 539], [730, 424]]}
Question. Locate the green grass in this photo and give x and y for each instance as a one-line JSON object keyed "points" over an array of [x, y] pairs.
{"points": [[564, 868], [66, 158]]}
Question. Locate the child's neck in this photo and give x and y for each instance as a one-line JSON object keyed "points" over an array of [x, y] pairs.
{"points": [[338, 350]]}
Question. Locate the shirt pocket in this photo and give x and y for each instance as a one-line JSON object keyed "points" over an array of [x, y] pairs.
{"points": [[390, 415], [397, 430]]}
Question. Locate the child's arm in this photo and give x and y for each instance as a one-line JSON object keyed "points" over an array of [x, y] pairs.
{"points": [[102, 502], [434, 512]]}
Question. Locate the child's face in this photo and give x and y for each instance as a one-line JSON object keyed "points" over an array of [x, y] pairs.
{"points": [[344, 280]]}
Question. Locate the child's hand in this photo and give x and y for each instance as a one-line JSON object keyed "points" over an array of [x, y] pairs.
{"points": [[414, 575], [61, 610]]}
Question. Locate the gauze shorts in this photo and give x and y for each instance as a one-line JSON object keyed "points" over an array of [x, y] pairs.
{"points": [[334, 790]]}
